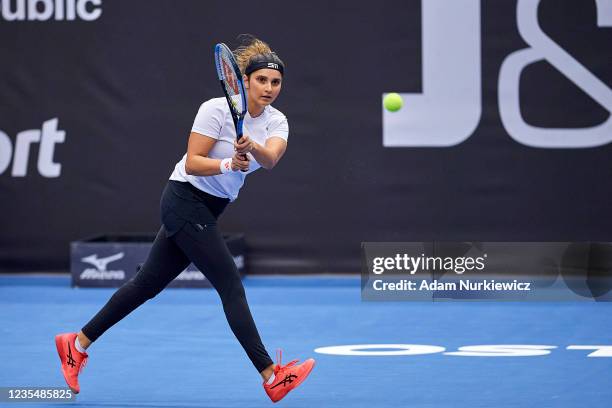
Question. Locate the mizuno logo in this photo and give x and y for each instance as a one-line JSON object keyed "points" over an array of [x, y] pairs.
{"points": [[101, 263], [100, 272]]}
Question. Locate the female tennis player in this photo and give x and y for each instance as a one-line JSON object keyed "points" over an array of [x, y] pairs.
{"points": [[203, 182]]}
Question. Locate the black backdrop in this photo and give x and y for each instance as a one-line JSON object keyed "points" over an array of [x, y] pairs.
{"points": [[126, 86]]}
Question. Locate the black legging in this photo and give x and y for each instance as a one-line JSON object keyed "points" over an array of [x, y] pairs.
{"points": [[189, 234]]}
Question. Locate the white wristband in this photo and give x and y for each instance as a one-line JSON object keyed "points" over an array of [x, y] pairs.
{"points": [[226, 165]]}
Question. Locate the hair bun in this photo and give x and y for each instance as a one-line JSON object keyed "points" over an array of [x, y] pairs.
{"points": [[250, 47]]}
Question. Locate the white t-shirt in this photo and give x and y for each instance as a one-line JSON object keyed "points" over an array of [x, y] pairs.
{"points": [[214, 119]]}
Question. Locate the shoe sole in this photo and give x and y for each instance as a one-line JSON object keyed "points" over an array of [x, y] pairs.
{"points": [[59, 354]]}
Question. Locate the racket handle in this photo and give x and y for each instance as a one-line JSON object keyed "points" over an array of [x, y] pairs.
{"points": [[244, 156]]}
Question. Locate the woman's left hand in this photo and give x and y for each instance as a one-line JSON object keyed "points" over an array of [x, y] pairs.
{"points": [[244, 145]]}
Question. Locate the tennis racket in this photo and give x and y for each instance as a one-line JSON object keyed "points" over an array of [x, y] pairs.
{"points": [[233, 87]]}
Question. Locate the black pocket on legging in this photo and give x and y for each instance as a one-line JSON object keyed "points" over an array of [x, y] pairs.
{"points": [[177, 209]]}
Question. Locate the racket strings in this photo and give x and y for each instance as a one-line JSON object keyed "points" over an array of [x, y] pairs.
{"points": [[230, 82]]}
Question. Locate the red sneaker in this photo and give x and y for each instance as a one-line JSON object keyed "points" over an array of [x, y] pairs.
{"points": [[287, 377], [72, 360]]}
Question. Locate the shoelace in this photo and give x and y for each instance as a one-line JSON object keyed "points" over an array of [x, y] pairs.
{"points": [[279, 361]]}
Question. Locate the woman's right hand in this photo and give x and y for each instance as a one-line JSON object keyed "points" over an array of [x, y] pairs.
{"points": [[240, 162]]}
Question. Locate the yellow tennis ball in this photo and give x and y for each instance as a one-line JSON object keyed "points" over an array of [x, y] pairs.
{"points": [[393, 102]]}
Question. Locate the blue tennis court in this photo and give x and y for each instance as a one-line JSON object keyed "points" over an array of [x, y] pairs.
{"points": [[177, 350]]}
